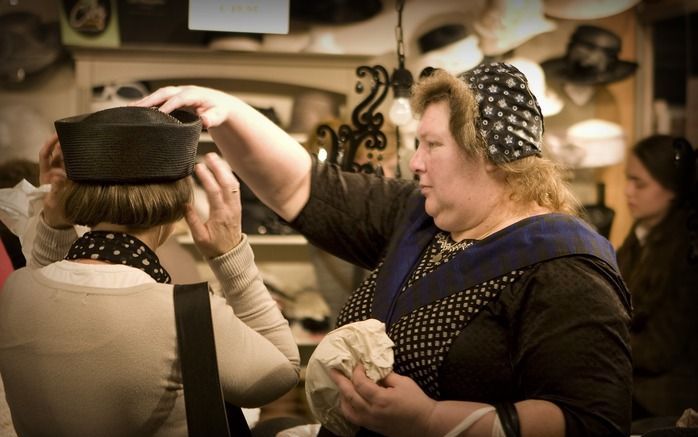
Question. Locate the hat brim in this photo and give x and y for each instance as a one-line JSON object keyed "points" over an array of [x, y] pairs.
{"points": [[586, 10], [559, 68]]}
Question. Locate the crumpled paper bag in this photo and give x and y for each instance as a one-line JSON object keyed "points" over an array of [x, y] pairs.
{"points": [[309, 430], [19, 207], [362, 342], [689, 419]]}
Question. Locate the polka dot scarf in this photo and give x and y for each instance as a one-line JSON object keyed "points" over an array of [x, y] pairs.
{"points": [[118, 248]]}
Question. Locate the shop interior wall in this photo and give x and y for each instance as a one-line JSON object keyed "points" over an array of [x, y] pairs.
{"points": [[55, 96]]}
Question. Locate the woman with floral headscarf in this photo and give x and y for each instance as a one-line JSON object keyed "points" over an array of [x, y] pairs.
{"points": [[508, 314]]}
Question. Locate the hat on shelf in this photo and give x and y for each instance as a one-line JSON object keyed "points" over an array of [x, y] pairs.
{"points": [[591, 143], [129, 145], [116, 94], [310, 108], [448, 46], [586, 9], [27, 46], [591, 58], [334, 11], [508, 24], [550, 102], [239, 41], [23, 129]]}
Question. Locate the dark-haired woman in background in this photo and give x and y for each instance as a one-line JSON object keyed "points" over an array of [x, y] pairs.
{"points": [[659, 261]]}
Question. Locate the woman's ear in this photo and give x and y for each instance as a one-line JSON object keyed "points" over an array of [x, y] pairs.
{"points": [[490, 167]]}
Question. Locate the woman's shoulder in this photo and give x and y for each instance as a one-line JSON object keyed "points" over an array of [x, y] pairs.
{"points": [[577, 278]]}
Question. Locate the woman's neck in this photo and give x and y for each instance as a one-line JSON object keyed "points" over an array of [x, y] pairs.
{"points": [[498, 220], [651, 222], [153, 237]]}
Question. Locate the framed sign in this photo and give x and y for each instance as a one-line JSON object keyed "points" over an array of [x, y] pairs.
{"points": [[249, 16]]}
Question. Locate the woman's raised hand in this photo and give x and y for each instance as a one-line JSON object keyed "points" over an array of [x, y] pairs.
{"points": [[223, 230], [52, 171], [211, 105]]}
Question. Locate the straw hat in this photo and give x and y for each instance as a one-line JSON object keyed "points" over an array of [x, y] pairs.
{"points": [[129, 145]]}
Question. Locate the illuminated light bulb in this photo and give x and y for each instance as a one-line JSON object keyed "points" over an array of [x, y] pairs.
{"points": [[400, 112], [322, 154]]}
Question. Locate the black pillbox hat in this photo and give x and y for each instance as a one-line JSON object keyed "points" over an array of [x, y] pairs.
{"points": [[129, 145]]}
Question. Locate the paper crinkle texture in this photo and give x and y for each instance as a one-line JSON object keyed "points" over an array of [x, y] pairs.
{"points": [[343, 349]]}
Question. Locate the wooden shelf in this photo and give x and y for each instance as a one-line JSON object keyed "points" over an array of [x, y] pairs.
{"points": [[328, 72]]}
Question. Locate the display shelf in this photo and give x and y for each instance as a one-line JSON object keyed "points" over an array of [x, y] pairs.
{"points": [[99, 66]]}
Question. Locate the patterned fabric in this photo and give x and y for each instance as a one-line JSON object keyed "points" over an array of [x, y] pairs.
{"points": [[510, 120], [426, 334], [569, 308], [118, 248]]}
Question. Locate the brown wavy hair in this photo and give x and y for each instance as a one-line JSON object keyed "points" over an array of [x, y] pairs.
{"points": [[134, 206], [532, 178]]}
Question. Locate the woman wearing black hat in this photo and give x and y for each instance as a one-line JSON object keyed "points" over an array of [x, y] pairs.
{"points": [[659, 261], [88, 342], [508, 314]]}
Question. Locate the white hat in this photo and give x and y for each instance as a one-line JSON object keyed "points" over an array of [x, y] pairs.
{"points": [[508, 24], [550, 103], [455, 58], [602, 142], [586, 9], [446, 43]]}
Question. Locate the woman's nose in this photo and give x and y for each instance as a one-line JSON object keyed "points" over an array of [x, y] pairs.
{"points": [[416, 162]]}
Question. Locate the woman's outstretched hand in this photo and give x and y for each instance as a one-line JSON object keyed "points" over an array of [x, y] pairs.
{"points": [[396, 406], [52, 171], [223, 230], [211, 105]]}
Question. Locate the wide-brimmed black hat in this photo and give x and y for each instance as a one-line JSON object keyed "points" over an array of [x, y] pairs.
{"points": [[27, 46], [129, 145], [591, 58]]}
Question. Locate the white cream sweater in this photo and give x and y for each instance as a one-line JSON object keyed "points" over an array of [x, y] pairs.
{"points": [[91, 350]]}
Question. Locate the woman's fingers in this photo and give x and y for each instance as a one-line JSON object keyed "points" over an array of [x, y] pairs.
{"points": [[349, 396], [196, 226], [222, 231], [158, 97], [212, 106], [46, 158], [210, 186], [230, 186]]}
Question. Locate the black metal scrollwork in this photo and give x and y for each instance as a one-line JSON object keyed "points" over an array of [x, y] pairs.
{"points": [[367, 123]]}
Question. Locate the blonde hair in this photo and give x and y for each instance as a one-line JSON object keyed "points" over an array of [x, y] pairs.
{"points": [[134, 206], [532, 178]]}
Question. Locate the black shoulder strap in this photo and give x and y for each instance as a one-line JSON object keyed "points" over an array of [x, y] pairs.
{"points": [[203, 397]]}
